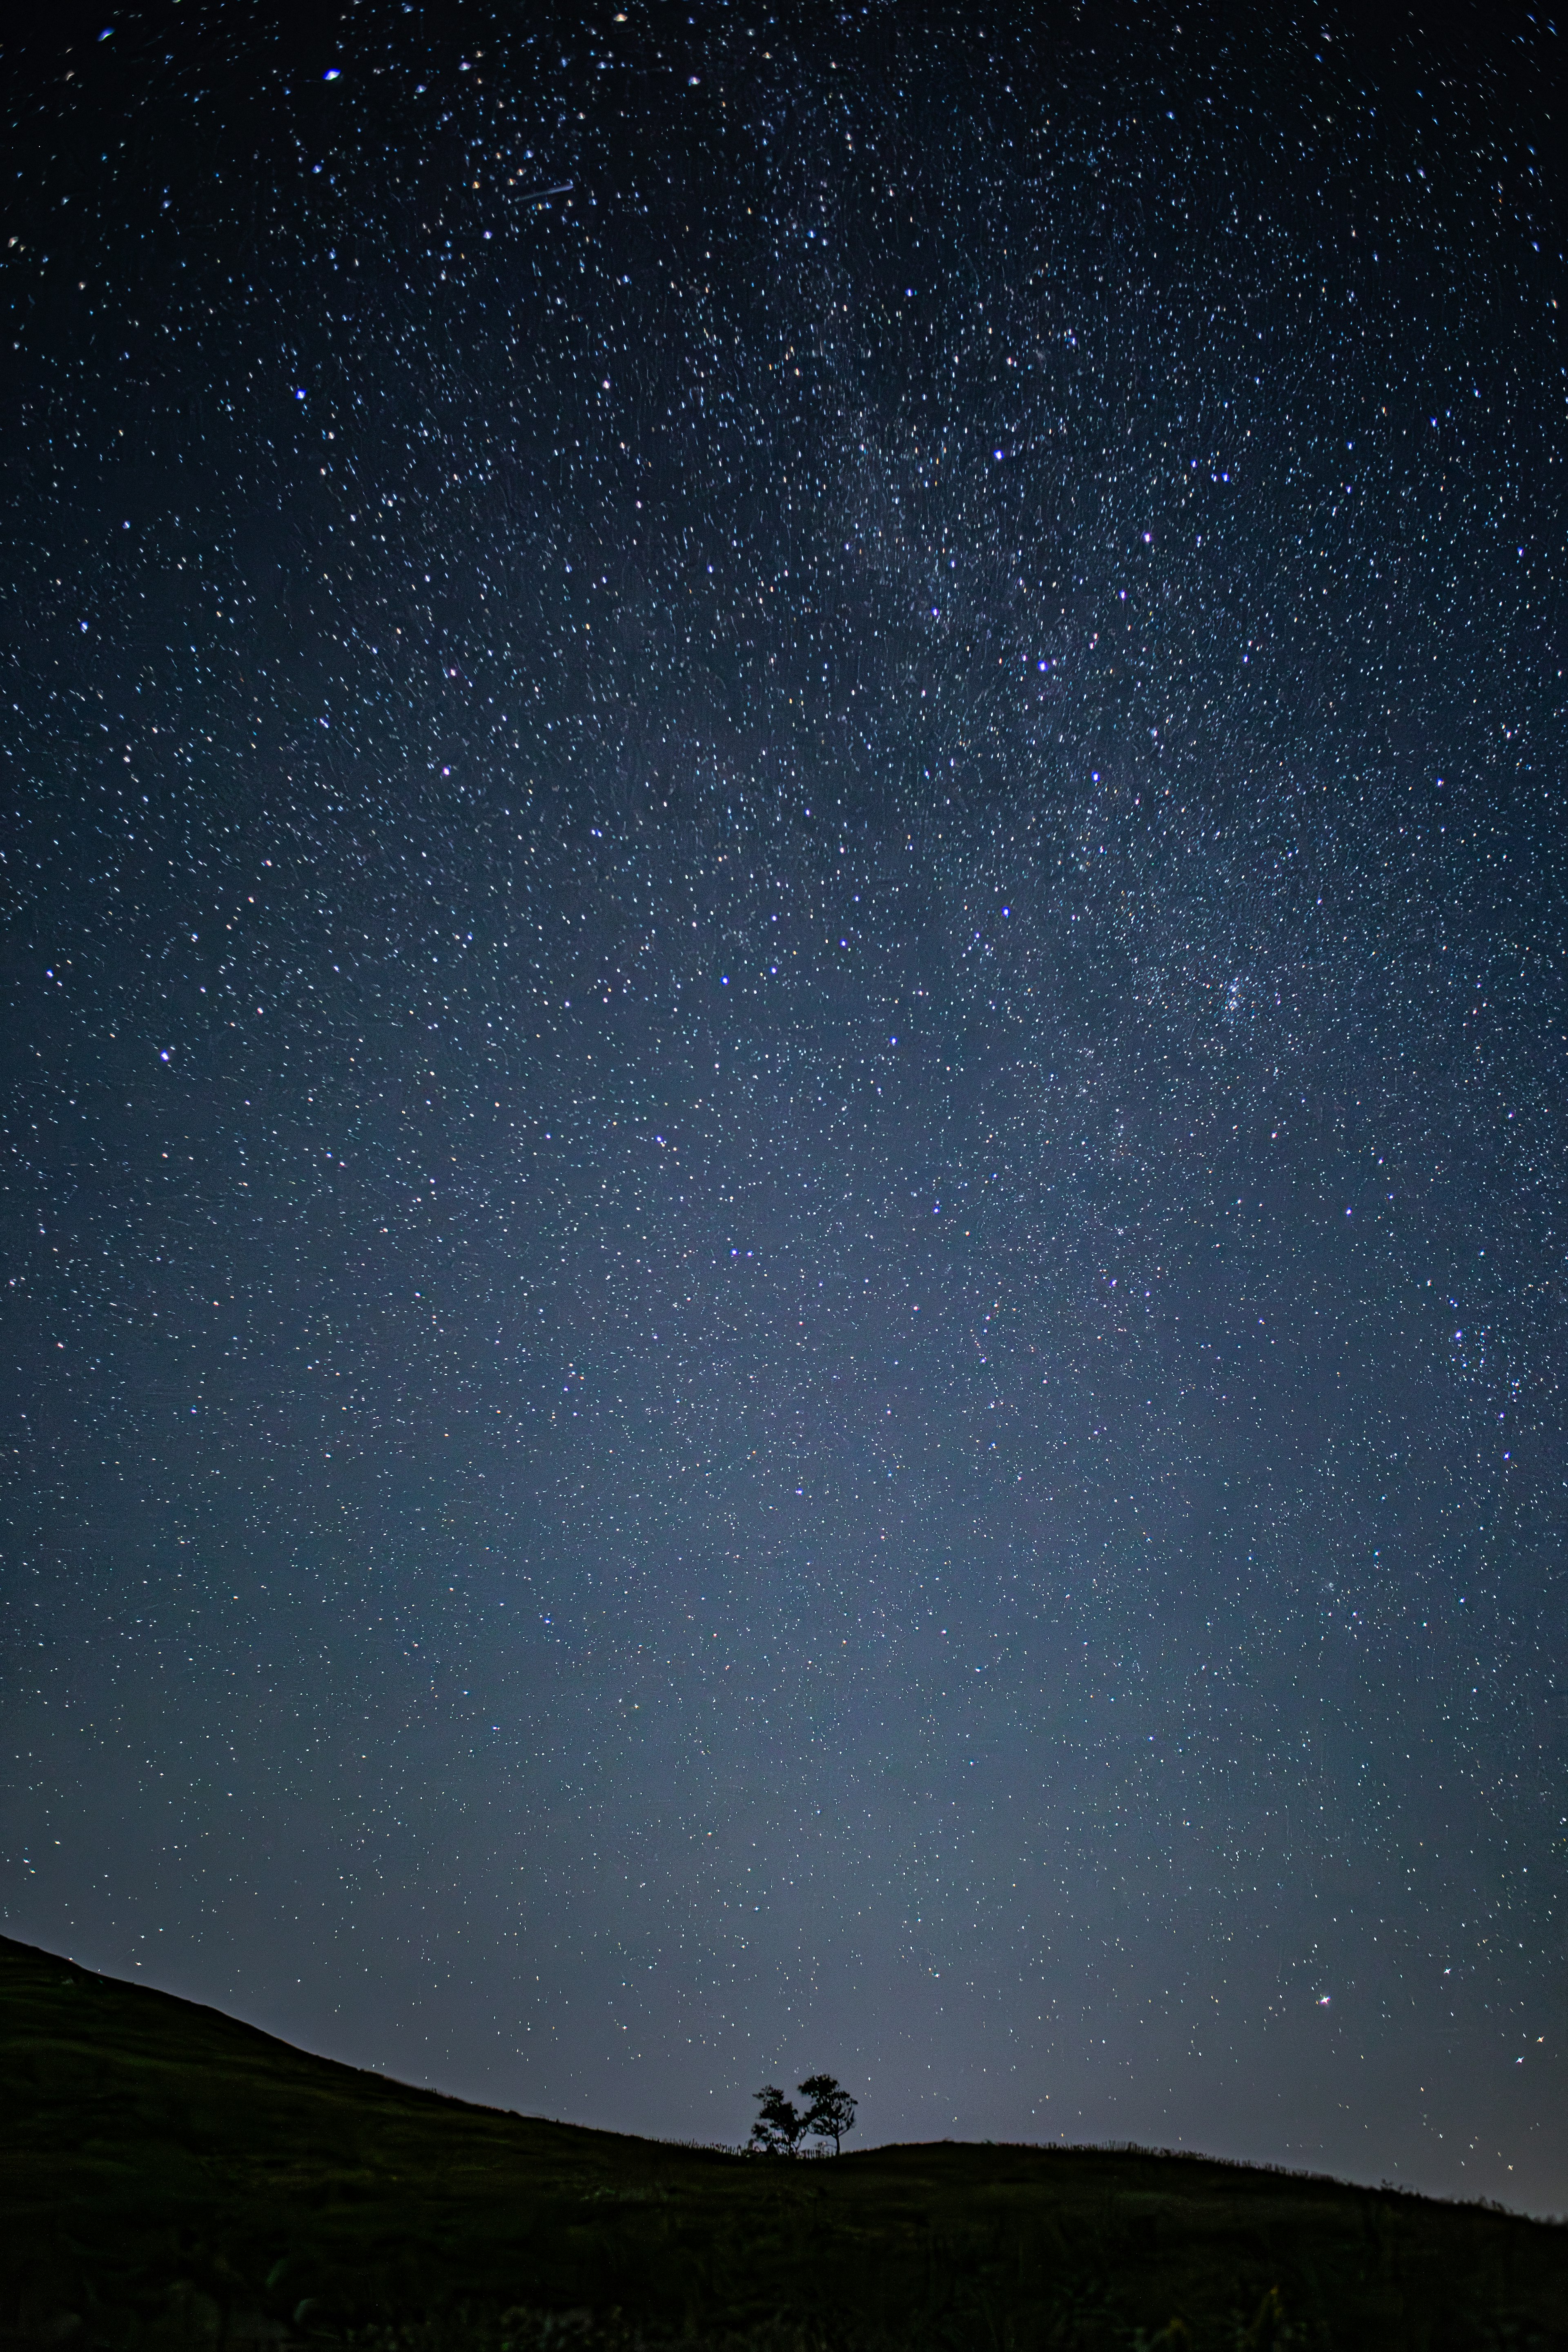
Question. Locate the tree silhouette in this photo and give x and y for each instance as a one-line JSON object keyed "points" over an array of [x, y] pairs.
{"points": [[832, 2110], [780, 2126]]}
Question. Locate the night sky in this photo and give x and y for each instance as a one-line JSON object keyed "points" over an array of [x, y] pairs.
{"points": [[784, 1187]]}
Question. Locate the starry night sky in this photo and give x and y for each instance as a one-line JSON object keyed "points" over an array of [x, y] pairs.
{"points": [[784, 1186]]}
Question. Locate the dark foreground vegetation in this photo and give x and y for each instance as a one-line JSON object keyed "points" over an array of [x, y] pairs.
{"points": [[173, 2181]]}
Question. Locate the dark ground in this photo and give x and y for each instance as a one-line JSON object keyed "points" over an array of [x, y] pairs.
{"points": [[173, 2177]]}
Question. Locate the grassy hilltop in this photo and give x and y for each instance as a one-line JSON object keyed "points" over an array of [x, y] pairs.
{"points": [[177, 2180]]}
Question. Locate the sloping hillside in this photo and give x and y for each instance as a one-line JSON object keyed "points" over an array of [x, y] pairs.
{"points": [[170, 2177]]}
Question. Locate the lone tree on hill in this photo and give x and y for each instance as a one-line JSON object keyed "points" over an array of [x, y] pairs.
{"points": [[780, 2126], [832, 2110]]}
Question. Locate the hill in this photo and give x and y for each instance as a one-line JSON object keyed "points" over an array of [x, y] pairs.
{"points": [[172, 2181]]}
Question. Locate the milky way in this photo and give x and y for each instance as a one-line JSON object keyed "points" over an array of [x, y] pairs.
{"points": [[784, 1186]]}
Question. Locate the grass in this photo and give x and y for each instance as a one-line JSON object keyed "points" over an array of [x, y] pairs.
{"points": [[170, 2179]]}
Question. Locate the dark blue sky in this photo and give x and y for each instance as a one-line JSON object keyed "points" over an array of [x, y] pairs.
{"points": [[783, 1186]]}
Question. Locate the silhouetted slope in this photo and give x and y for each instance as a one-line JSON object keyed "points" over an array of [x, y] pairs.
{"points": [[172, 2176]]}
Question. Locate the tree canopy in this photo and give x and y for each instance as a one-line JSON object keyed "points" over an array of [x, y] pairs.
{"points": [[780, 2126]]}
